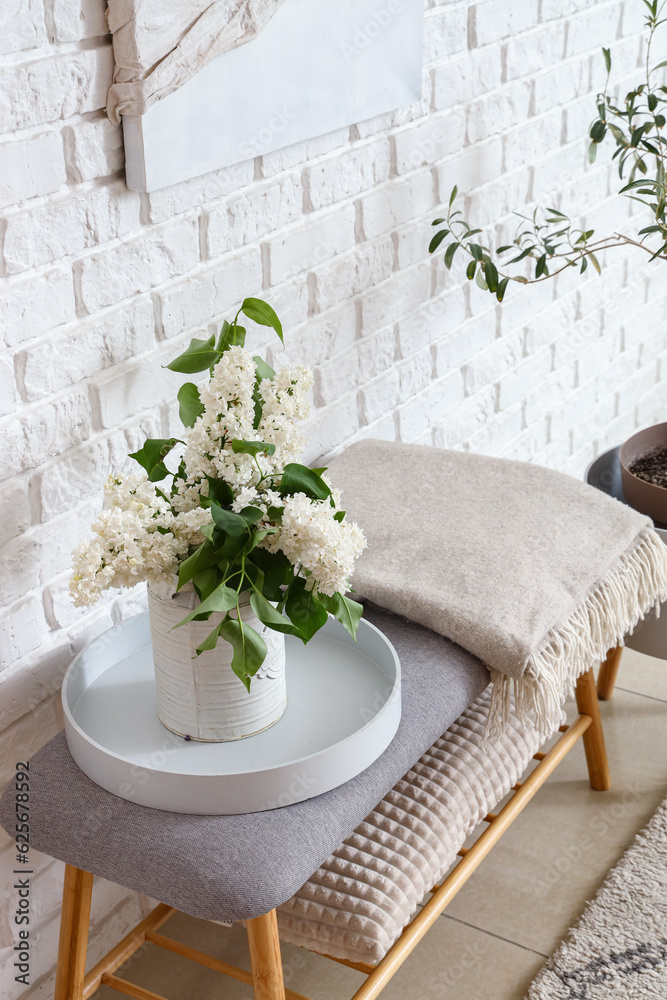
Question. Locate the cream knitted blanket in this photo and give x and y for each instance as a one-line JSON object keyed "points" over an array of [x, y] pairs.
{"points": [[530, 570]]}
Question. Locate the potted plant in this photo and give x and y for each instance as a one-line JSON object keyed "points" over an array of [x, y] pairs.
{"points": [[550, 243], [548, 238], [240, 544]]}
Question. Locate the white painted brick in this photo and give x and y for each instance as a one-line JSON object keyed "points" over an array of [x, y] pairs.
{"points": [[513, 387], [75, 353], [94, 149], [461, 423], [391, 120], [22, 25], [323, 428], [423, 144], [179, 198], [410, 241], [493, 362], [75, 19], [553, 9], [347, 174], [142, 426], [399, 384], [7, 384], [569, 79], [498, 111], [208, 293], [12, 447], [31, 168], [320, 339], [67, 226], [477, 164], [465, 343], [31, 306], [500, 198], [461, 80], [497, 433], [133, 386], [295, 155], [398, 202], [527, 55], [38, 676], [495, 20], [445, 33], [650, 408], [428, 325], [367, 358], [43, 431], [595, 27], [351, 273], [318, 239], [79, 474], [53, 427], [290, 301], [430, 406], [550, 393], [59, 609], [395, 298], [134, 267], [14, 510], [67, 84], [533, 141], [21, 629], [254, 212]]}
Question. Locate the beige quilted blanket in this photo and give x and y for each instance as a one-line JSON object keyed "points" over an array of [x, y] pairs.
{"points": [[532, 571], [358, 902]]}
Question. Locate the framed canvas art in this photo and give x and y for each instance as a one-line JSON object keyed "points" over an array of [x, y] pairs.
{"points": [[310, 67]]}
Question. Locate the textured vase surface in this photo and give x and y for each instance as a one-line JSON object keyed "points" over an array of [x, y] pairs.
{"points": [[201, 696]]}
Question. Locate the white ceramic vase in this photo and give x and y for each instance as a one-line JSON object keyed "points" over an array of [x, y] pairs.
{"points": [[201, 696]]}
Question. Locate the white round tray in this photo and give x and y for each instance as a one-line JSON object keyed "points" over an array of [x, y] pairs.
{"points": [[344, 706]]}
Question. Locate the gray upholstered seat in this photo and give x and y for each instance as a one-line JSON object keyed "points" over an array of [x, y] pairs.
{"points": [[228, 867]]}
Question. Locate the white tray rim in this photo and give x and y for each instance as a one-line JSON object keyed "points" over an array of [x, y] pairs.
{"points": [[387, 717]]}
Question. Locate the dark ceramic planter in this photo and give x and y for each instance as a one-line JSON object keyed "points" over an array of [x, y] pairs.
{"points": [[643, 496]]}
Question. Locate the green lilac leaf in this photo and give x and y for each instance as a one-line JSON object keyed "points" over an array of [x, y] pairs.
{"points": [[190, 405], [151, 455], [261, 312], [200, 355]]}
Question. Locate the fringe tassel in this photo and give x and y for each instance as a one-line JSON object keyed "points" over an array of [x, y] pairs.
{"points": [[636, 585]]}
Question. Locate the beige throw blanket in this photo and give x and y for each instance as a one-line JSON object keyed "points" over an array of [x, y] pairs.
{"points": [[533, 572]]}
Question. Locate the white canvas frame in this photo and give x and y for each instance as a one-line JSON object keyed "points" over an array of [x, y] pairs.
{"points": [[317, 66]]}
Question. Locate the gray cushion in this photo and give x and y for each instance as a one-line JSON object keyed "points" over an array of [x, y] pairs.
{"points": [[232, 867]]}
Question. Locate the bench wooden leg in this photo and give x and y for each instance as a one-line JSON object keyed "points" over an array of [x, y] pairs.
{"points": [[73, 944], [594, 746], [265, 960], [608, 673]]}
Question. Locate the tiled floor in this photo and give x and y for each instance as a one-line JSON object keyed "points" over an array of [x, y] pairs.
{"points": [[515, 909]]}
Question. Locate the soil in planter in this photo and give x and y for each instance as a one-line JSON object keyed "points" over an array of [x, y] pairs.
{"points": [[652, 468]]}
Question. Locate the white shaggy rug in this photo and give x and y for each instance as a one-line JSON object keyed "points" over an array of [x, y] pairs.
{"points": [[618, 949]]}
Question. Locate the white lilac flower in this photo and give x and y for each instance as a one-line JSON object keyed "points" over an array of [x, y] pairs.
{"points": [[314, 541], [142, 536], [136, 538]]}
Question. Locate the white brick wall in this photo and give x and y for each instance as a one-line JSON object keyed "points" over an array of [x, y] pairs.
{"points": [[99, 286]]}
